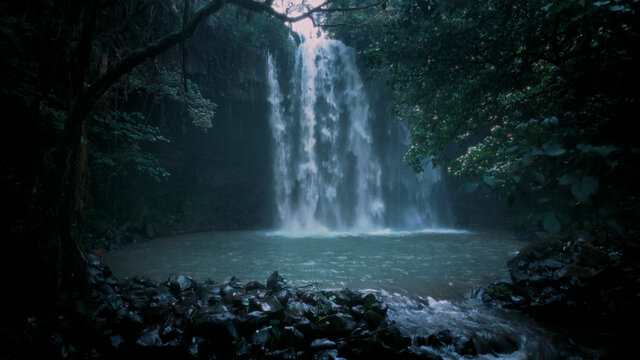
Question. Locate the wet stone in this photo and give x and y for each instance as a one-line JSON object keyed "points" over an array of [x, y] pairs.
{"points": [[116, 340], [358, 311], [464, 345], [218, 326], [373, 319], [275, 282], [268, 305], [283, 296], [340, 323], [171, 332], [326, 355], [236, 283], [298, 308], [322, 343], [150, 338], [252, 285], [439, 339], [290, 337], [179, 283], [261, 337]]}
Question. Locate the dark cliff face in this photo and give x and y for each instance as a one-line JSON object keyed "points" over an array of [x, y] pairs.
{"points": [[221, 178]]}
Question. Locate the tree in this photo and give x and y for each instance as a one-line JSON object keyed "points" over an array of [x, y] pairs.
{"points": [[528, 98], [60, 60]]}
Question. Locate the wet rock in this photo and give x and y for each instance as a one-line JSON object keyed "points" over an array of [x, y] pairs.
{"points": [[341, 323], [552, 263], [269, 305], [309, 298], [179, 283], [251, 321], [116, 340], [285, 354], [150, 338], [298, 309], [171, 332], [372, 302], [590, 256], [236, 283], [93, 260], [137, 302], [303, 325], [284, 295], [200, 348], [322, 343], [252, 285], [326, 355], [373, 319], [208, 292], [290, 337], [393, 338], [519, 276], [573, 270], [220, 327], [128, 322], [358, 311], [243, 349], [261, 337], [275, 282], [242, 301], [439, 339], [464, 345]]}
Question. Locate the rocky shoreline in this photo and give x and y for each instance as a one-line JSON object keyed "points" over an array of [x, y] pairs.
{"points": [[183, 319], [566, 284], [588, 290]]}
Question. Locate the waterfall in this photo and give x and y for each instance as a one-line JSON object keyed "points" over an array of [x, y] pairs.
{"points": [[330, 174]]}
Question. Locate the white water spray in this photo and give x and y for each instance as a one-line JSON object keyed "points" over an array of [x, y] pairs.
{"points": [[328, 175]]}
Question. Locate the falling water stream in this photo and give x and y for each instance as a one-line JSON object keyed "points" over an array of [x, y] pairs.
{"points": [[329, 172]]}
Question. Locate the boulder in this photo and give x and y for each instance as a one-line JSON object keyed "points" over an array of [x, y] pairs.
{"points": [[179, 283], [219, 327], [464, 345], [150, 338], [439, 339], [340, 324], [322, 343], [275, 282]]}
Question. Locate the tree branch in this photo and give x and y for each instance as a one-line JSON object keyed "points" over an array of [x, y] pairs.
{"points": [[103, 82]]}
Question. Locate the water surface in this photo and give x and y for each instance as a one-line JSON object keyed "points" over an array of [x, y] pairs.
{"points": [[437, 263]]}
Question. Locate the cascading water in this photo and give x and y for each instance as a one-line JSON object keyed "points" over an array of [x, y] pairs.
{"points": [[330, 172]]}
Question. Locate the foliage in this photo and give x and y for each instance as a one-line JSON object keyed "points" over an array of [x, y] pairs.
{"points": [[529, 98]]}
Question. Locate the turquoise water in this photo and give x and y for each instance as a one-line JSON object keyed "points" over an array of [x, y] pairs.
{"points": [[436, 263]]}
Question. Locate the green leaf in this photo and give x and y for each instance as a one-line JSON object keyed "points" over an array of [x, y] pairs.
{"points": [[520, 220], [550, 222], [490, 180], [537, 175], [603, 150], [553, 149], [469, 187], [584, 188], [568, 179]]}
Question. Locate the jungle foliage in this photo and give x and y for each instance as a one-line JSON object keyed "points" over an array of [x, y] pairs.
{"points": [[531, 99]]}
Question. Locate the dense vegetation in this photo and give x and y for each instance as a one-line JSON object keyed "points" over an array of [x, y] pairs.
{"points": [[96, 93], [529, 99]]}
